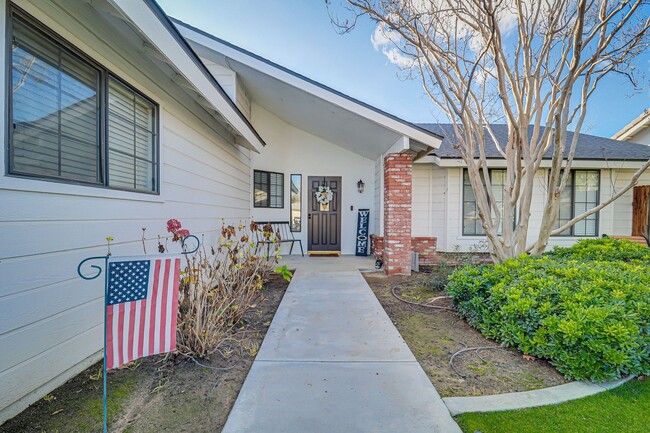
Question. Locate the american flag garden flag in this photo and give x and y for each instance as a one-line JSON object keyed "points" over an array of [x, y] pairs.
{"points": [[141, 307]]}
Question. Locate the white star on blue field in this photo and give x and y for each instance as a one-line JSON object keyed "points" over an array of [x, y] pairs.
{"points": [[127, 281]]}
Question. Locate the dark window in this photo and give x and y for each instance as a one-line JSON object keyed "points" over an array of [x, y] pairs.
{"points": [[62, 128], [269, 189], [582, 192], [471, 219]]}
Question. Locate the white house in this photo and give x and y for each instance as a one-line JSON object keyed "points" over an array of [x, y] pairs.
{"points": [[113, 124], [118, 118]]}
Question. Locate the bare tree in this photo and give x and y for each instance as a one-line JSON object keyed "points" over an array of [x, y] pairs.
{"points": [[531, 64]]}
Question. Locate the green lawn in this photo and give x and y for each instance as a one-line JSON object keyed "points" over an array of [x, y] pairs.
{"points": [[623, 410]]}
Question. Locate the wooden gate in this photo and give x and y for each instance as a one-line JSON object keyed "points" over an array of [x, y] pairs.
{"points": [[641, 211]]}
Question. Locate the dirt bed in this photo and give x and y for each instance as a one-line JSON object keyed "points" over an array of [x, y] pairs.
{"points": [[158, 394], [434, 335]]}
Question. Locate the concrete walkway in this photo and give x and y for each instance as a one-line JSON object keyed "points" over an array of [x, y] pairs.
{"points": [[333, 362]]}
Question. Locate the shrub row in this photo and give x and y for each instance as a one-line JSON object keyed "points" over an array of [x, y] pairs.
{"points": [[589, 318]]}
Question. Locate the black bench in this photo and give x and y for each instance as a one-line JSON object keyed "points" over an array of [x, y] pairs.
{"points": [[283, 230]]}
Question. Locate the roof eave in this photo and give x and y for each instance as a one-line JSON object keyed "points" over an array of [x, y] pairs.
{"points": [[633, 127], [313, 87], [152, 21]]}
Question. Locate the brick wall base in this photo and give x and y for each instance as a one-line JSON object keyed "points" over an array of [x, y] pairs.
{"points": [[426, 246]]}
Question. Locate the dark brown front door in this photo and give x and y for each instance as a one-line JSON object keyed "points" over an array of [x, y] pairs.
{"points": [[324, 225]]}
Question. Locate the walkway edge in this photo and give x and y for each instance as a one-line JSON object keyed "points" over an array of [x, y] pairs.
{"points": [[523, 400]]}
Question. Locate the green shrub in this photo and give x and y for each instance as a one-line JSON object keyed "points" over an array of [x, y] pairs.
{"points": [[591, 319], [604, 249]]}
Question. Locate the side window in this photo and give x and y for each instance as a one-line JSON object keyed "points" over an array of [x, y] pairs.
{"points": [[268, 189]]}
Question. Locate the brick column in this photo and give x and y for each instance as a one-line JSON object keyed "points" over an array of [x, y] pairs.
{"points": [[398, 173]]}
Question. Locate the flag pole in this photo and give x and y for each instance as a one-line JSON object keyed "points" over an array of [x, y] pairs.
{"points": [[104, 372], [98, 272]]}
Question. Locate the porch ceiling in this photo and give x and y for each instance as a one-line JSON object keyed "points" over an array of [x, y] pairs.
{"points": [[309, 105]]}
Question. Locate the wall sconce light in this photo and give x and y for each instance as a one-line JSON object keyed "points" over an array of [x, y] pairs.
{"points": [[360, 186]]}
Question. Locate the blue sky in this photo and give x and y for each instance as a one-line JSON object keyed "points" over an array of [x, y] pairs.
{"points": [[298, 34]]}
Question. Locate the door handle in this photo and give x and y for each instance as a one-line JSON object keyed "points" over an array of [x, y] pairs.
{"points": [[309, 216]]}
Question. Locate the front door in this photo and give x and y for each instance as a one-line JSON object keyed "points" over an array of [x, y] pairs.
{"points": [[324, 219]]}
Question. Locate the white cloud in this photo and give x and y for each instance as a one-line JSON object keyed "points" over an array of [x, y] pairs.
{"points": [[385, 40]]}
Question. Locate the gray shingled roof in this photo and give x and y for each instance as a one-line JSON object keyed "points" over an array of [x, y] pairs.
{"points": [[590, 147]]}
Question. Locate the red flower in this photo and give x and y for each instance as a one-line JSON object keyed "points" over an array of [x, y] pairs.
{"points": [[182, 233], [173, 225]]}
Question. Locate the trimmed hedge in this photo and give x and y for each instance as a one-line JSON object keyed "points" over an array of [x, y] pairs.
{"points": [[589, 318], [604, 249]]}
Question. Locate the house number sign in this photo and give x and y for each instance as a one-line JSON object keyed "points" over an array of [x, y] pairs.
{"points": [[362, 232]]}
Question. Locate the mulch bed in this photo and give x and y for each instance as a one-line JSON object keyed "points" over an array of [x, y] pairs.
{"points": [[158, 393], [435, 335]]}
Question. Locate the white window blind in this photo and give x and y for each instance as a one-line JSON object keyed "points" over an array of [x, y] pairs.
{"points": [[131, 139]]}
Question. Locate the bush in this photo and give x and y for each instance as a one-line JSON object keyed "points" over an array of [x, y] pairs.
{"points": [[589, 318], [604, 249], [219, 285], [438, 278]]}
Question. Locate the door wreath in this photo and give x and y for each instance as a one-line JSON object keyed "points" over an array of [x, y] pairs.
{"points": [[324, 195]]}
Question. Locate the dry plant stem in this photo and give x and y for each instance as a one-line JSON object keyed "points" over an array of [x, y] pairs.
{"points": [[219, 286]]}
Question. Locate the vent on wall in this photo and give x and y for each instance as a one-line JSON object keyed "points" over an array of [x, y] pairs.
{"points": [[415, 261]]}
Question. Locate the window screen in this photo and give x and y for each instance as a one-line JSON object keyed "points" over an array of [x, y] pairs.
{"points": [[268, 189], [131, 139], [55, 110]]}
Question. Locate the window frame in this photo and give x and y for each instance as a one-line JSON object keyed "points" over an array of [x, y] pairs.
{"points": [[105, 75], [269, 206], [291, 227], [571, 229], [462, 215]]}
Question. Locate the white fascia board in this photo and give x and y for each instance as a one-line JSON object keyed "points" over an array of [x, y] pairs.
{"points": [[401, 145], [632, 128], [141, 14], [501, 163], [318, 91]]}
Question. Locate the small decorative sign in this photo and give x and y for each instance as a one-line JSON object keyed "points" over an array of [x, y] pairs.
{"points": [[362, 232]]}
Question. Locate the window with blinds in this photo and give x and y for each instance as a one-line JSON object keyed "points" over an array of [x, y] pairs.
{"points": [[55, 109], [472, 225], [131, 139], [62, 126], [582, 193], [268, 189]]}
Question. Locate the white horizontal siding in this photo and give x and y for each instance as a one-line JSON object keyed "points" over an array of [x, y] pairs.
{"points": [[444, 214], [50, 319]]}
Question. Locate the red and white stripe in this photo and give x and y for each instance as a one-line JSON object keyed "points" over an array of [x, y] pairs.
{"points": [[147, 327]]}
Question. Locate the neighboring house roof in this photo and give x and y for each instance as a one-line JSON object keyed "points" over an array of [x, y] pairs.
{"points": [[590, 147], [151, 21], [308, 104], [634, 127]]}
